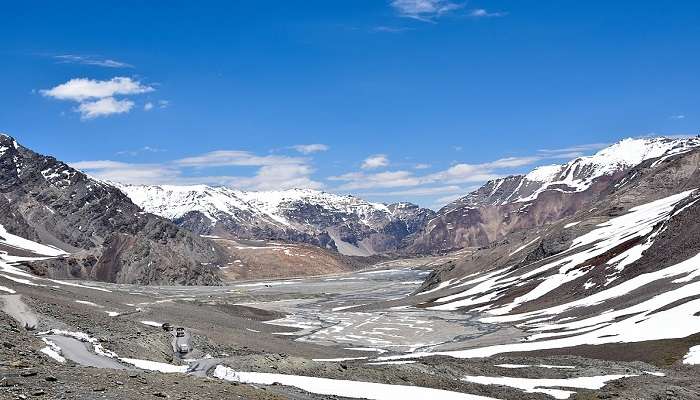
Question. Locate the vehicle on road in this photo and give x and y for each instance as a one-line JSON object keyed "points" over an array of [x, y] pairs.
{"points": [[183, 348], [180, 332], [167, 327]]}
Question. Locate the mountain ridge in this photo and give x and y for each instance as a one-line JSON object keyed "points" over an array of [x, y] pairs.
{"points": [[346, 223], [515, 202], [108, 237]]}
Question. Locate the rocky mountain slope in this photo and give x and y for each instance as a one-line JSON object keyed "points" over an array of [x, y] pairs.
{"points": [[624, 270], [350, 225], [543, 196], [109, 238]]}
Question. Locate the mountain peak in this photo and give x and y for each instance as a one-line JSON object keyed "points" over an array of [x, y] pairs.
{"points": [[629, 152], [7, 140], [578, 174]]}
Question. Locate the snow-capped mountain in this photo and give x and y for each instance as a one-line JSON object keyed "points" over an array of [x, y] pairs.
{"points": [[623, 270], [578, 174], [544, 195], [346, 223]]}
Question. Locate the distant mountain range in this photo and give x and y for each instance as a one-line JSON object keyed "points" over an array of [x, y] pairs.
{"points": [[348, 224], [353, 226], [160, 234]]}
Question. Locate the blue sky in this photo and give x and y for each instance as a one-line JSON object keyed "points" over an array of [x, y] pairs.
{"points": [[417, 100]]}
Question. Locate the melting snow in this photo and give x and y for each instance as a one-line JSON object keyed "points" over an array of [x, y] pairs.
{"points": [[88, 303], [547, 386], [8, 290], [693, 356], [25, 244], [155, 366], [343, 388], [52, 350]]}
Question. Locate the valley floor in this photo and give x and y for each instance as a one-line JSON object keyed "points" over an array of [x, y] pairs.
{"points": [[306, 338]]}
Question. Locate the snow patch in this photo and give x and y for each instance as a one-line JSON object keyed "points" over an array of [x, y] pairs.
{"points": [[153, 323], [547, 386], [8, 290], [693, 356], [343, 388], [52, 350], [155, 366]]}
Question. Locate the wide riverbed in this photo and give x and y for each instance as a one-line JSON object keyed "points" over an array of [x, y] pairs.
{"points": [[341, 310]]}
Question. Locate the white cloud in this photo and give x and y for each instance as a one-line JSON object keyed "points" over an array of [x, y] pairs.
{"points": [[390, 179], [80, 89], [422, 166], [138, 174], [98, 164], [96, 98], [419, 191], [455, 174], [482, 13], [104, 107], [678, 116], [576, 149], [144, 149], [442, 201], [424, 10], [148, 106], [91, 60], [461, 173], [221, 158], [389, 29], [310, 148], [273, 172], [375, 161], [449, 183], [278, 177], [163, 103], [269, 177]]}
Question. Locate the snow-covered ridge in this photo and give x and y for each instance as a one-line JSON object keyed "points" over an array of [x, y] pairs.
{"points": [[580, 173], [172, 201]]}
